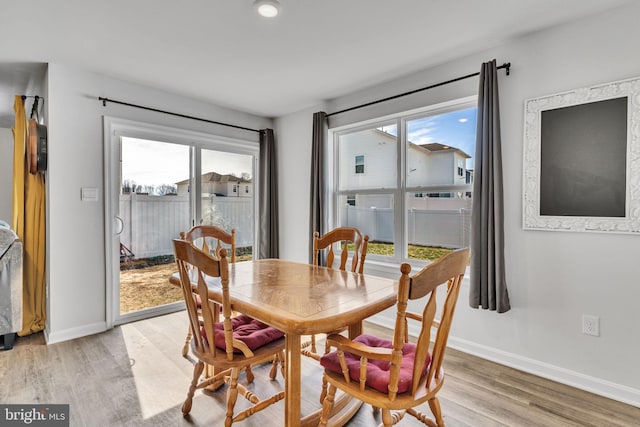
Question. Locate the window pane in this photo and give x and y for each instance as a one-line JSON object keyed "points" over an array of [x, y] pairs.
{"points": [[437, 222], [152, 214], [440, 152], [373, 215], [367, 159], [223, 204], [440, 148]]}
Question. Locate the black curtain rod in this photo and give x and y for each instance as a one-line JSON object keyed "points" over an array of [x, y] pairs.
{"points": [[105, 100], [506, 66]]}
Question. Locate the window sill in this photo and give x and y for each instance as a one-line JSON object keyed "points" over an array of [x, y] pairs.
{"points": [[391, 270]]}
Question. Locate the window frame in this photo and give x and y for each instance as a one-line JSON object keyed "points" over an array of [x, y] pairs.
{"points": [[400, 191], [114, 128], [357, 156]]}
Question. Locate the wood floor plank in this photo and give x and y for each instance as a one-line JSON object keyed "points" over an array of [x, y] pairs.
{"points": [[134, 375]]}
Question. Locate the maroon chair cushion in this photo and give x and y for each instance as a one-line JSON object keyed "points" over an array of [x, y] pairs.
{"points": [[252, 332], [377, 370]]}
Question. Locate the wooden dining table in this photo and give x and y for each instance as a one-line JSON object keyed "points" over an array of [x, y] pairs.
{"points": [[302, 299]]}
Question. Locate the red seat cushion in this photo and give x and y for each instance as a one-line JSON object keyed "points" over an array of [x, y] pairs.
{"points": [[377, 370], [252, 332]]}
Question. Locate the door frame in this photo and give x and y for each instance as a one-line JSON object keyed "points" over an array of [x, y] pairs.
{"points": [[114, 129]]}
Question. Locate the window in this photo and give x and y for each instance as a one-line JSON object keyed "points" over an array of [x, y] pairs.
{"points": [[246, 189], [415, 200], [235, 188], [359, 164]]}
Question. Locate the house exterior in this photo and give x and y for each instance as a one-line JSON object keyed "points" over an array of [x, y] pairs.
{"points": [[436, 164], [432, 164], [215, 184]]}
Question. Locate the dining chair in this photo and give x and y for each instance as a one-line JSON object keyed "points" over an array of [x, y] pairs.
{"points": [[353, 247], [210, 239], [231, 345], [396, 375]]}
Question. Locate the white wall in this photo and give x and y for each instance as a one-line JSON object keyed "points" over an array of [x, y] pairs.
{"points": [[76, 253], [293, 144], [6, 173], [553, 277]]}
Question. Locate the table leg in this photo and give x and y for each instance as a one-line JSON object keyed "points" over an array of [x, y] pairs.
{"points": [[292, 381]]}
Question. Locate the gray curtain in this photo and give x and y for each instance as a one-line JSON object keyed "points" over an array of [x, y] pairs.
{"points": [[317, 202], [488, 283], [268, 203]]}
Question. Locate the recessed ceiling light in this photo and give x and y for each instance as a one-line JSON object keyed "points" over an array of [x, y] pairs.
{"points": [[463, 120], [267, 8]]}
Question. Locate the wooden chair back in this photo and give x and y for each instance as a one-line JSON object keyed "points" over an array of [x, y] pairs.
{"points": [[197, 266], [444, 274], [342, 237], [211, 239]]}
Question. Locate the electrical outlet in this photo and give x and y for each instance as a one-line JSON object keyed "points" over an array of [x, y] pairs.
{"points": [[591, 325]]}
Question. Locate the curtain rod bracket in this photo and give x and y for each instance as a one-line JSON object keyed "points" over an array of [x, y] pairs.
{"points": [[507, 68]]}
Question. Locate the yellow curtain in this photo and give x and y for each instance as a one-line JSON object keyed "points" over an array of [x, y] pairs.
{"points": [[28, 221]]}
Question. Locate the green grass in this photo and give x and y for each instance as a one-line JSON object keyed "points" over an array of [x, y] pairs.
{"points": [[429, 253]]}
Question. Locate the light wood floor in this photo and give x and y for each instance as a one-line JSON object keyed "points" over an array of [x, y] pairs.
{"points": [[134, 375]]}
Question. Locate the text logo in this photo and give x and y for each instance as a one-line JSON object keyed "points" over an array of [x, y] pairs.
{"points": [[34, 415]]}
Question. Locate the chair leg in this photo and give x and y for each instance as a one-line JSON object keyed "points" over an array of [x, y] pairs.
{"points": [[197, 371], [434, 404], [187, 341], [232, 396], [273, 372], [323, 392], [313, 344], [389, 418], [327, 406], [249, 374]]}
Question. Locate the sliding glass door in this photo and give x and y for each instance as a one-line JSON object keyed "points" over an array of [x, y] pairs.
{"points": [[152, 214], [227, 196], [160, 181]]}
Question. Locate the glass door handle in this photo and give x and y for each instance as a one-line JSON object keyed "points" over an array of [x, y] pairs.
{"points": [[121, 222]]}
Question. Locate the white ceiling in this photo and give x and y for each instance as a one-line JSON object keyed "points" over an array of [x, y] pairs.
{"points": [[222, 52]]}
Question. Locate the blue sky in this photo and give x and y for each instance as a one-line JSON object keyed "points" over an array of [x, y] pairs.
{"points": [[455, 129]]}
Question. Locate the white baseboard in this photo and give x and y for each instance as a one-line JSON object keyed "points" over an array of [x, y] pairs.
{"points": [[72, 333], [588, 383]]}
